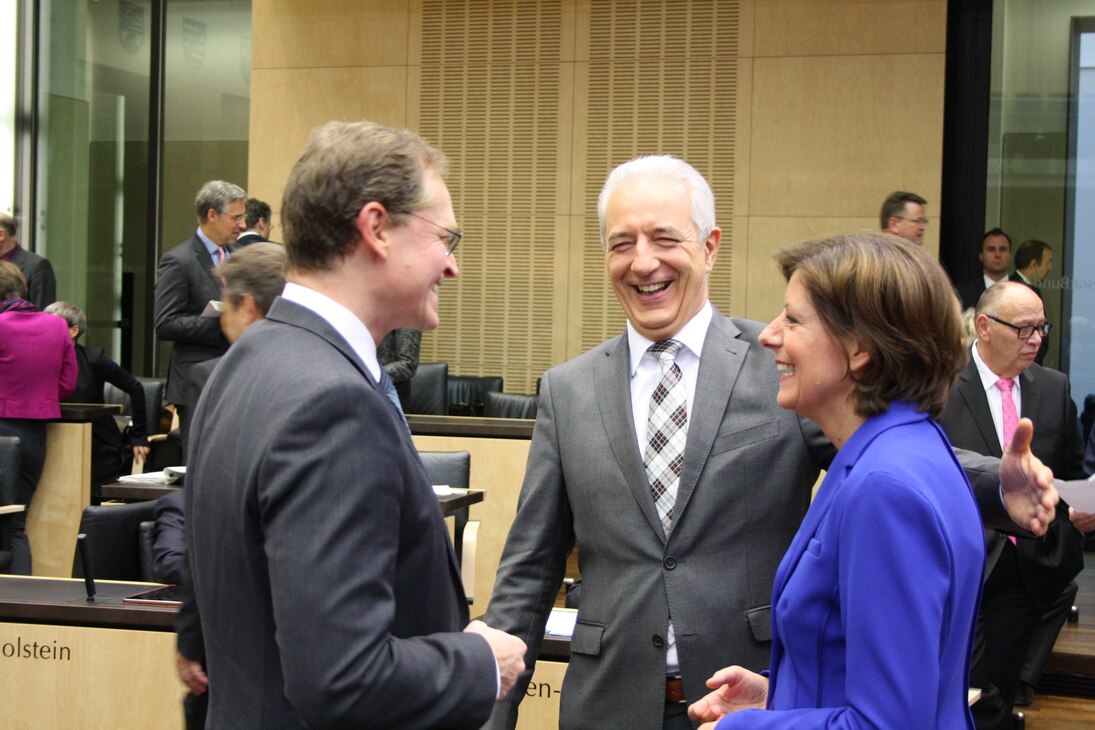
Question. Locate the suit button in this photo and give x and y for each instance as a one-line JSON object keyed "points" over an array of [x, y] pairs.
{"points": [[670, 563], [659, 642]]}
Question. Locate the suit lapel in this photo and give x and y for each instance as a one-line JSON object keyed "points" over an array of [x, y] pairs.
{"points": [[205, 259], [292, 313], [976, 402], [1030, 393]]}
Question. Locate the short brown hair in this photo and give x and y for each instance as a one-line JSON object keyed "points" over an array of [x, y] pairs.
{"points": [[897, 301], [894, 206], [345, 166], [258, 270], [13, 285]]}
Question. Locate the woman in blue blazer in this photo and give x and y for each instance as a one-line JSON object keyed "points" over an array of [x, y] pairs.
{"points": [[874, 603]]}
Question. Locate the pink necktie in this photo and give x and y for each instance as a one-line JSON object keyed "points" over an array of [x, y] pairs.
{"points": [[1011, 418], [219, 255]]}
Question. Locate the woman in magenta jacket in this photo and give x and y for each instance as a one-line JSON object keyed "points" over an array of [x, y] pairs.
{"points": [[37, 369]]}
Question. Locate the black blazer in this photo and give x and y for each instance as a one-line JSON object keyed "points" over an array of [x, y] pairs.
{"points": [[41, 283], [185, 283], [1047, 565], [970, 291]]}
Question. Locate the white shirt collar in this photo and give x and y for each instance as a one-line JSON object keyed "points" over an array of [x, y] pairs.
{"points": [[210, 246], [988, 378], [692, 336], [352, 329]]}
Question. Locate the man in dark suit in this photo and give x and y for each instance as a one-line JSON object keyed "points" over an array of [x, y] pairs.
{"points": [[677, 551], [258, 223], [185, 284], [324, 575], [995, 257], [1023, 577], [1033, 262], [41, 284]]}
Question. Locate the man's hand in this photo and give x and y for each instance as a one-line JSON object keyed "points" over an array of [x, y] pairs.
{"points": [[735, 688], [1082, 521], [1026, 483], [192, 674], [509, 652]]}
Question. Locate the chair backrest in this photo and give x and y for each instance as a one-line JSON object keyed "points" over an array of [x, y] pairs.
{"points": [[146, 538], [429, 389], [510, 405], [468, 393], [113, 538], [452, 468], [9, 475], [153, 400]]}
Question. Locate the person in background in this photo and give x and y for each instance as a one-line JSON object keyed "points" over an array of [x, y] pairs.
{"points": [[867, 346], [113, 452], [995, 258], [37, 369], [398, 355], [903, 215], [258, 223], [41, 283]]}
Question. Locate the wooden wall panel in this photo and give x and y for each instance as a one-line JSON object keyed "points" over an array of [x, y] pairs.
{"points": [[331, 34], [849, 27]]}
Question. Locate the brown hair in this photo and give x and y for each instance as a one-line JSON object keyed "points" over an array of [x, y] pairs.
{"points": [[258, 270], [13, 285], [896, 300], [343, 167]]}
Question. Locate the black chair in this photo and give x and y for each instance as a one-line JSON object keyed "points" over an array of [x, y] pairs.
{"points": [[153, 399], [114, 541], [9, 478], [165, 446], [468, 393], [510, 405], [429, 390], [452, 468]]}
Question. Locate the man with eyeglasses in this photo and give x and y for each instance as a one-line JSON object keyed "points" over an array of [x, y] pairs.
{"points": [[903, 215], [1028, 589], [185, 284]]}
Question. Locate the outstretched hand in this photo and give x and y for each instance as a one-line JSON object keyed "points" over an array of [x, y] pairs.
{"points": [[1026, 483], [735, 688], [509, 653]]}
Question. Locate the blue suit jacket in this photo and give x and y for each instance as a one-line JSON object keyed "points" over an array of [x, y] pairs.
{"points": [[875, 600]]}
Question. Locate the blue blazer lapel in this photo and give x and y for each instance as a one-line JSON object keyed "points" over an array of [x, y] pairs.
{"points": [[613, 388]]}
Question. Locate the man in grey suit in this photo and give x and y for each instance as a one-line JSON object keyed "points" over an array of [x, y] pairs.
{"points": [[41, 283], [677, 587], [186, 283], [323, 572], [1028, 589]]}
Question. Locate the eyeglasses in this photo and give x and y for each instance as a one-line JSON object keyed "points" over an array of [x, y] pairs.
{"points": [[1026, 331], [236, 218], [451, 241], [916, 221]]}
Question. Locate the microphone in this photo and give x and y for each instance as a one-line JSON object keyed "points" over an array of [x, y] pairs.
{"points": [[85, 562]]}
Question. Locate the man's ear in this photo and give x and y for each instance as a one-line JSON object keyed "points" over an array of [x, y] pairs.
{"points": [[374, 225], [250, 309]]}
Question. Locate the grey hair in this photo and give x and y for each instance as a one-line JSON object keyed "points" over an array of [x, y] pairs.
{"points": [[216, 195], [668, 170], [70, 313]]}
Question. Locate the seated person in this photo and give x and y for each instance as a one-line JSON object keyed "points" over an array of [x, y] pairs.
{"points": [[113, 452]]}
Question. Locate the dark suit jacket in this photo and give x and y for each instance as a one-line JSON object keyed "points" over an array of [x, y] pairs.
{"points": [[41, 284], [1044, 347], [970, 291], [171, 565], [1047, 565], [185, 283], [326, 581], [749, 466], [247, 238]]}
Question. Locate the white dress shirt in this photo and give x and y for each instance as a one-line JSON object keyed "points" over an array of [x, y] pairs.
{"points": [[995, 397]]}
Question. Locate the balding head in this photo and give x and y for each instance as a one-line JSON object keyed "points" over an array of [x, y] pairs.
{"points": [[1001, 312]]}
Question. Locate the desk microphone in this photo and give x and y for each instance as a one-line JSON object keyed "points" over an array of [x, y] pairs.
{"points": [[85, 561]]}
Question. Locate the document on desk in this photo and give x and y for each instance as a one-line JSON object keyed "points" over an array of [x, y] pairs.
{"points": [[561, 622], [444, 490], [170, 475]]}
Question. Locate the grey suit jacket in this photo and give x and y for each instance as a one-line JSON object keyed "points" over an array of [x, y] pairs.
{"points": [[41, 283], [326, 581], [746, 484], [1047, 565], [185, 283]]}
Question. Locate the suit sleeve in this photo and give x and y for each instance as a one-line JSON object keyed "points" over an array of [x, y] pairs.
{"points": [[1072, 445], [895, 568], [176, 320], [333, 494], [111, 372], [533, 561], [42, 287]]}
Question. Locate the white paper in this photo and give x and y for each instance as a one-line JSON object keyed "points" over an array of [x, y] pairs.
{"points": [[444, 490], [169, 476], [561, 622], [213, 309], [1079, 493]]}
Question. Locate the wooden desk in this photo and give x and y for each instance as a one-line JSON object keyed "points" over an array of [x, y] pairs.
{"points": [[64, 488], [66, 662]]}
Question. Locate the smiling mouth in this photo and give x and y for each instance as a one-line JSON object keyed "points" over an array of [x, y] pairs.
{"points": [[785, 369], [652, 288]]}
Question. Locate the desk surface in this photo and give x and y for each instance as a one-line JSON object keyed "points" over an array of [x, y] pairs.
{"points": [[64, 601], [505, 428], [81, 412]]}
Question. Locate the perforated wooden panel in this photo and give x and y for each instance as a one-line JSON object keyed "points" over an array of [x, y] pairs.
{"points": [[662, 79], [490, 99], [521, 124]]}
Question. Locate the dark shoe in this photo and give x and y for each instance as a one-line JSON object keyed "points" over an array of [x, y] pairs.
{"points": [[1024, 695]]}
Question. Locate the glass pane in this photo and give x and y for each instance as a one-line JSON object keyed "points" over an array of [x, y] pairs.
{"points": [[9, 18], [206, 109]]}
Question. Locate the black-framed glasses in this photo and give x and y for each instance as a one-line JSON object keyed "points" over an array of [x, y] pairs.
{"points": [[1024, 331], [453, 239]]}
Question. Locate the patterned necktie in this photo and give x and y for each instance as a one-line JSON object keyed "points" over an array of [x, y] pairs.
{"points": [[1007, 403], [666, 432], [388, 387]]}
